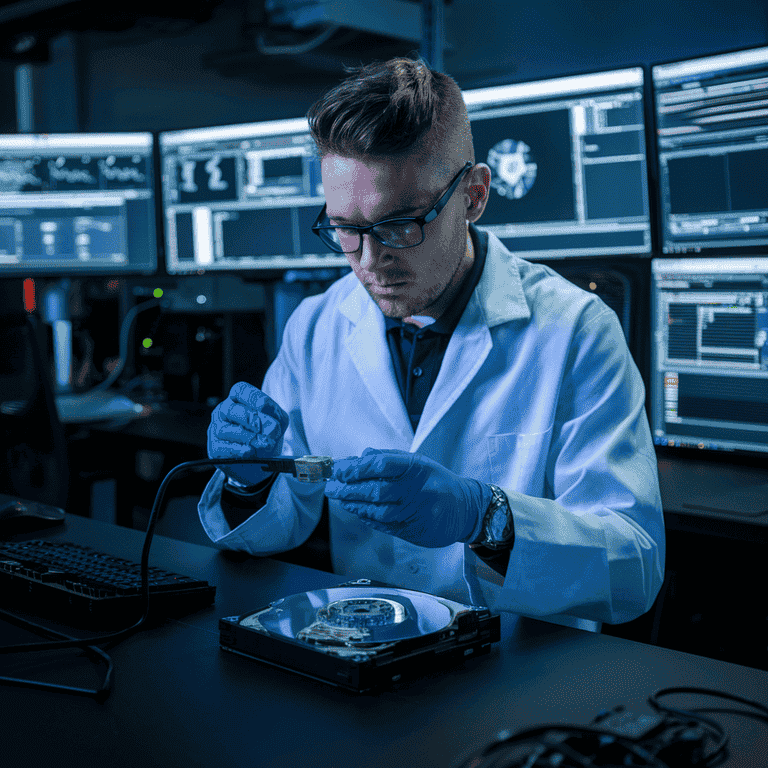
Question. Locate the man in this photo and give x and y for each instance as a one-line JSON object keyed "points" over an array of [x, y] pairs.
{"points": [[492, 419]]}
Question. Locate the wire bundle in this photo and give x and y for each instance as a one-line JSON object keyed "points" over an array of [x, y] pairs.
{"points": [[684, 737]]}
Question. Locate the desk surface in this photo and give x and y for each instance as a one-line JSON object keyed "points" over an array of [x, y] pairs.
{"points": [[179, 423], [684, 482], [178, 700]]}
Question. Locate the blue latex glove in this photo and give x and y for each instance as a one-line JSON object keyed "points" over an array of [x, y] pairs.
{"points": [[247, 424], [410, 496]]}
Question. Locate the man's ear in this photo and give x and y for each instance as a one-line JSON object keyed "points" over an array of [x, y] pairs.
{"points": [[477, 191]]}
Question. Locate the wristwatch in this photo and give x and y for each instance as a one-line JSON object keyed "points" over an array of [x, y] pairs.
{"points": [[498, 531], [242, 489]]}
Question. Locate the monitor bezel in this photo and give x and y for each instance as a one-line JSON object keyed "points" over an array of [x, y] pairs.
{"points": [[649, 145], [757, 458], [110, 270], [270, 271], [714, 250]]}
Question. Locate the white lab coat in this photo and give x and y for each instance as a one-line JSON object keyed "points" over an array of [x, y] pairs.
{"points": [[537, 393]]}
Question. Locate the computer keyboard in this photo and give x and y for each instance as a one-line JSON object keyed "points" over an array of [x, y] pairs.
{"points": [[83, 587]]}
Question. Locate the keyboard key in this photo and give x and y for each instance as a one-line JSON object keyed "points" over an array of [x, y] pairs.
{"points": [[67, 581]]}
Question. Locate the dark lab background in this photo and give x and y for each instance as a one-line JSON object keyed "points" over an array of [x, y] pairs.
{"points": [[162, 74], [121, 66]]}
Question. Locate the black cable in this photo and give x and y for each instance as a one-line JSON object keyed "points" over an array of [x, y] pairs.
{"points": [[100, 693], [653, 700], [538, 736], [720, 751], [727, 711], [541, 745], [122, 355], [89, 644], [714, 729]]}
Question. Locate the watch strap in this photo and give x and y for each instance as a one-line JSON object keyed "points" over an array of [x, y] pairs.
{"points": [[241, 489]]}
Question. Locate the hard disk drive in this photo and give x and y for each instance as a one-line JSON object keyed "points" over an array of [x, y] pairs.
{"points": [[362, 635]]}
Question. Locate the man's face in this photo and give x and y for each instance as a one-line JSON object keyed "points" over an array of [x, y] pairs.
{"points": [[402, 281]]}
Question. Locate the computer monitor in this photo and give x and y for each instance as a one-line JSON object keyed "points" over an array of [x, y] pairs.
{"points": [[712, 136], [709, 375], [242, 197], [568, 163], [77, 204]]}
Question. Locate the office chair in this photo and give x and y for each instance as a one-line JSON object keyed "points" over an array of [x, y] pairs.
{"points": [[33, 451]]}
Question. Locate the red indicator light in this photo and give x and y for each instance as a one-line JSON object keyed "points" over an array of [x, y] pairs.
{"points": [[29, 295]]}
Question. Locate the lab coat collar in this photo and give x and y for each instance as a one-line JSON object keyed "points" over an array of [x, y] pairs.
{"points": [[498, 298], [500, 290]]}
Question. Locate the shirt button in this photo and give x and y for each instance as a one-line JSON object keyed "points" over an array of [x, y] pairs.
{"points": [[417, 372]]}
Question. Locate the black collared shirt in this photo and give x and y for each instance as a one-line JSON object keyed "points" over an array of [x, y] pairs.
{"points": [[417, 353]]}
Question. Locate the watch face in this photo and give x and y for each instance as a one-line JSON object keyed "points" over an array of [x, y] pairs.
{"points": [[497, 528]]}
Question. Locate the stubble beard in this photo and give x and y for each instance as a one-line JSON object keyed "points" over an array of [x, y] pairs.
{"points": [[402, 308]]}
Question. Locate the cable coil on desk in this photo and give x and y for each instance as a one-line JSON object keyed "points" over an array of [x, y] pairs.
{"points": [[671, 738]]}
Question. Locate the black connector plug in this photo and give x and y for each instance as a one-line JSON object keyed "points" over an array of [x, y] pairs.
{"points": [[629, 725], [674, 741]]}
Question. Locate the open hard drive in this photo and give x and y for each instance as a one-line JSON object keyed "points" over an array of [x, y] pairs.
{"points": [[362, 635]]}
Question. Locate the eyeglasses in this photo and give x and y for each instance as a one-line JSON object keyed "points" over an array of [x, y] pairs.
{"points": [[402, 232]]}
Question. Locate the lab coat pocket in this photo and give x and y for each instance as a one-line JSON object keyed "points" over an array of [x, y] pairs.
{"points": [[518, 461]]}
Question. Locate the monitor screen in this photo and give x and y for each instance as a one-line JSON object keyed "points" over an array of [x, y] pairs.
{"points": [[568, 164], [242, 197], [77, 204], [709, 375], [712, 137]]}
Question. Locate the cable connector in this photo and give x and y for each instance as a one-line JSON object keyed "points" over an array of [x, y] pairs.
{"points": [[628, 724], [307, 469], [676, 741], [314, 469]]}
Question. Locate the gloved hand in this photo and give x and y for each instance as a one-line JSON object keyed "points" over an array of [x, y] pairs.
{"points": [[410, 496], [247, 424]]}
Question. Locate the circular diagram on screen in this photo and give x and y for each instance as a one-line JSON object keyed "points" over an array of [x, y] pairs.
{"points": [[513, 168]]}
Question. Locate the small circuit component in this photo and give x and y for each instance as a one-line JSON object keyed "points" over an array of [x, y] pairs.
{"points": [[314, 469], [307, 469]]}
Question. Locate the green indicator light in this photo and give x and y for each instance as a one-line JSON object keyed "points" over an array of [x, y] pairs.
{"points": [[146, 343], [157, 293]]}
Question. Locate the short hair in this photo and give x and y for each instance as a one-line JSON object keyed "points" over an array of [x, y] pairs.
{"points": [[388, 109]]}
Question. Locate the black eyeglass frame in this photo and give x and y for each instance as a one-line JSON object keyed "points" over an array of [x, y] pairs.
{"points": [[430, 215]]}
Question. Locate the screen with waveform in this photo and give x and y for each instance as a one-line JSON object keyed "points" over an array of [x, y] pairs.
{"points": [[77, 204], [568, 164]]}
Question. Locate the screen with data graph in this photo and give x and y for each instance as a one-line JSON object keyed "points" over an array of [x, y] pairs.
{"points": [[709, 378], [77, 204], [242, 198]]}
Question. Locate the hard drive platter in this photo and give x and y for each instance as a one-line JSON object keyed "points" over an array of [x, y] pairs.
{"points": [[362, 635]]}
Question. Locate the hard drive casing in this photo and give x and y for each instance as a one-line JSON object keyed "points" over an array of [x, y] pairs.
{"points": [[362, 635]]}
